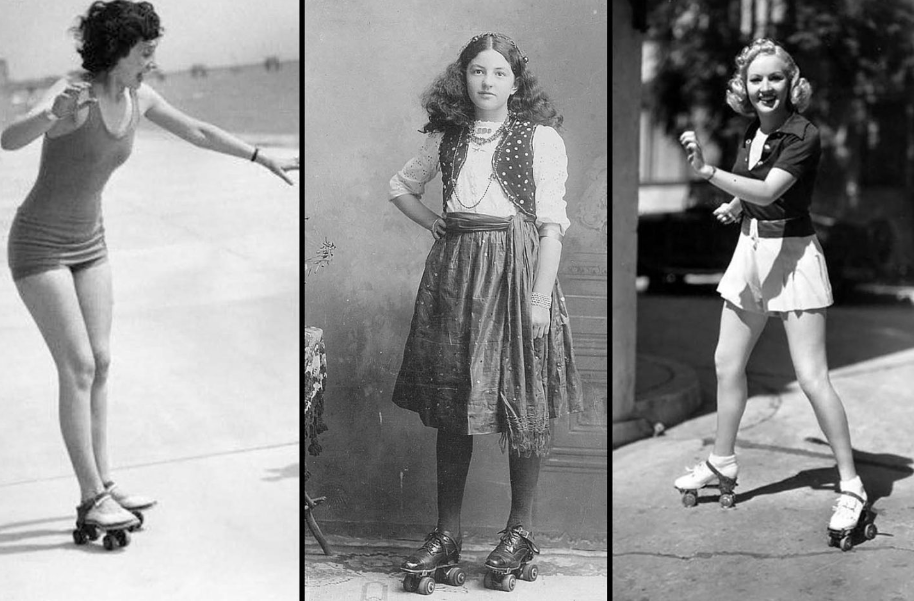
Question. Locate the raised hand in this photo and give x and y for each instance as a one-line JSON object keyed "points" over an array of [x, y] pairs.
{"points": [[694, 154], [68, 101]]}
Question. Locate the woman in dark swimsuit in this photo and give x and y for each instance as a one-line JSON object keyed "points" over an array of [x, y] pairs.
{"points": [[57, 251]]}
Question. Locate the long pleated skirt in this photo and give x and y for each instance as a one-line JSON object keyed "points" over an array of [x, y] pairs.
{"points": [[471, 364]]}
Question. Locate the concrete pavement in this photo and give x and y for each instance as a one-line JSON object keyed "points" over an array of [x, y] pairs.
{"points": [[368, 570], [203, 389], [772, 545]]}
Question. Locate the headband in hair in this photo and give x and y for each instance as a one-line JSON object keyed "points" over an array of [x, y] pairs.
{"points": [[495, 35]]}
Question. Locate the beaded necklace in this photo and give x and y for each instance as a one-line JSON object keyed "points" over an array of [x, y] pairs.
{"points": [[503, 128]]}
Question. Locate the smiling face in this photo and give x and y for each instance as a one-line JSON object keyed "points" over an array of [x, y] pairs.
{"points": [[768, 85], [130, 70], [490, 83]]}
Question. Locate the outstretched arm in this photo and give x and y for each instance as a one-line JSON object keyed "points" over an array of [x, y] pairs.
{"points": [[208, 136]]}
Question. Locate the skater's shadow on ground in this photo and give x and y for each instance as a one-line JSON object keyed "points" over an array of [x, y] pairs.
{"points": [[12, 537], [290, 471], [879, 472]]}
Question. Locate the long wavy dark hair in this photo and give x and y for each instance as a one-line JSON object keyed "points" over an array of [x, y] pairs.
{"points": [[109, 30], [448, 104]]}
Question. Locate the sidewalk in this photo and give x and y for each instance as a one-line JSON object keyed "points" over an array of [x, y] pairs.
{"points": [[772, 545], [203, 390], [367, 570]]}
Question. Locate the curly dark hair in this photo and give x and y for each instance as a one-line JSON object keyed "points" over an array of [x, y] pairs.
{"points": [[448, 104], [109, 30]]}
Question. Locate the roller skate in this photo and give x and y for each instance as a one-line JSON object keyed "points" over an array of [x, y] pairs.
{"points": [[510, 560], [103, 514], [135, 504], [702, 476], [853, 517], [435, 561]]}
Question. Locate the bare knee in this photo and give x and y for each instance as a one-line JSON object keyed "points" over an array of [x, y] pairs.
{"points": [[728, 368], [78, 371], [814, 383], [102, 363]]}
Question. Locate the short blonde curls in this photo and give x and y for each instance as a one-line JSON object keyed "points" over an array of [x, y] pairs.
{"points": [[738, 97]]}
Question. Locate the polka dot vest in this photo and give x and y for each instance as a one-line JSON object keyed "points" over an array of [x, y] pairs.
{"points": [[512, 163]]}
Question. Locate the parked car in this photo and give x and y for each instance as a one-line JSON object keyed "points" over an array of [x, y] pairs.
{"points": [[676, 244]]}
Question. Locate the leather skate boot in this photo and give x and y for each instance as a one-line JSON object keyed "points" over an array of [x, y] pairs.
{"points": [[439, 548], [516, 547]]}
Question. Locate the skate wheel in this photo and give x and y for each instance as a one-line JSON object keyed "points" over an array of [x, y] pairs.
{"points": [[79, 537], [426, 585], [456, 576], [689, 498], [109, 543], [410, 583], [847, 544], [727, 500], [507, 584], [91, 532], [831, 541], [870, 531], [123, 538], [529, 572], [489, 580]]}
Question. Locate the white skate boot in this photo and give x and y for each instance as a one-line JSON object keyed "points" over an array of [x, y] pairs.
{"points": [[705, 475], [852, 517]]}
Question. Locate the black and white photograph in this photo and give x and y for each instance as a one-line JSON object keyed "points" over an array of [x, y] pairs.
{"points": [[455, 307], [763, 282], [150, 320]]}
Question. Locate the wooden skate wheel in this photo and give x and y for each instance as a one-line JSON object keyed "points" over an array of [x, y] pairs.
{"points": [[507, 584], [489, 580], [426, 585], [410, 583]]}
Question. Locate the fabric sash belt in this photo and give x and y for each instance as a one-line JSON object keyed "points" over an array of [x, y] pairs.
{"points": [[795, 227]]}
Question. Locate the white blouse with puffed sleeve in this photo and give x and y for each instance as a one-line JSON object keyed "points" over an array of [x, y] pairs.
{"points": [[550, 171]]}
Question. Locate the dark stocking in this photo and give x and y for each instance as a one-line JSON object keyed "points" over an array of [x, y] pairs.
{"points": [[454, 454], [525, 472]]}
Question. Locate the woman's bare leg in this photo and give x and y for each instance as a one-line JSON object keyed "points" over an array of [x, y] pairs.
{"points": [[51, 299], [94, 292], [806, 338], [739, 332]]}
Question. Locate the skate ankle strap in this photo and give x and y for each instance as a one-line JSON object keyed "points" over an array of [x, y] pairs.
{"points": [[853, 494], [94, 501], [718, 474]]}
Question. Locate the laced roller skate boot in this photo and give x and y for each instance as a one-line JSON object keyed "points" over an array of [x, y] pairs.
{"points": [[435, 561], [853, 517], [103, 514], [704, 475], [135, 504], [510, 560]]}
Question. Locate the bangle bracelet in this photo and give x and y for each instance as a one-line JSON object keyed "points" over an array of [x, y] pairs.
{"points": [[50, 116], [713, 173], [541, 300], [254, 156]]}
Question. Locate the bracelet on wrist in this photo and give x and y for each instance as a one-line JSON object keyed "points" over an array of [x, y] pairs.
{"points": [[713, 173], [50, 116], [541, 300]]}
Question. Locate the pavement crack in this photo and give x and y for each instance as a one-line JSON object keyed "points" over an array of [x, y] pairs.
{"points": [[716, 554]]}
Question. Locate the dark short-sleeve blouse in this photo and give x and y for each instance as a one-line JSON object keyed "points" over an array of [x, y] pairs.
{"points": [[794, 147]]}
